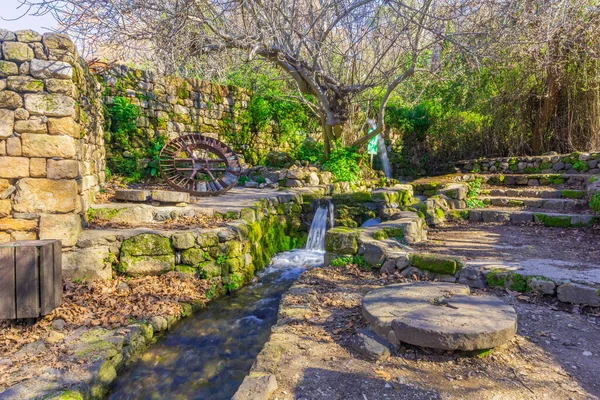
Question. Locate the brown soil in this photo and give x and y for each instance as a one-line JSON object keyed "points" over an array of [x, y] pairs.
{"points": [[514, 242], [110, 304], [545, 360]]}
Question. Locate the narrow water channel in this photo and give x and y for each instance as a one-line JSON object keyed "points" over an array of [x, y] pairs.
{"points": [[208, 355]]}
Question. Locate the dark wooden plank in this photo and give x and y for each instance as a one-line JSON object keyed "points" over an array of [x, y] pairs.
{"points": [[27, 282], [58, 285], [46, 278], [7, 283]]}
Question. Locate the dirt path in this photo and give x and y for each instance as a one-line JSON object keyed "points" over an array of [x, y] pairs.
{"points": [[515, 242], [556, 355]]}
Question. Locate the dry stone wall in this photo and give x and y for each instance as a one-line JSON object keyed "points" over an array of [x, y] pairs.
{"points": [[575, 163], [174, 106], [51, 137]]}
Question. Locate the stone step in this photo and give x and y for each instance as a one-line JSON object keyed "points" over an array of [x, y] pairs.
{"points": [[503, 215], [574, 181], [541, 192], [536, 203]]}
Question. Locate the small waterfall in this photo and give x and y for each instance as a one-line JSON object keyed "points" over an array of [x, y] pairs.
{"points": [[318, 227], [383, 155]]}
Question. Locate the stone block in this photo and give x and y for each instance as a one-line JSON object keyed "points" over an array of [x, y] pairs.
{"points": [[28, 36], [132, 195], [14, 224], [541, 285], [64, 126], [62, 169], [37, 167], [21, 114], [10, 100], [166, 196], [368, 344], [89, 263], [24, 84], [48, 146], [62, 86], [33, 125], [65, 227], [51, 105], [13, 146], [43, 69], [7, 36], [341, 240], [8, 68], [14, 167], [59, 41], [183, 240], [256, 387], [7, 123], [579, 294], [35, 195], [5, 208], [15, 51]]}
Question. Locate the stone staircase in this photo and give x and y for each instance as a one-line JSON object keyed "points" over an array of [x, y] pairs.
{"points": [[551, 200]]}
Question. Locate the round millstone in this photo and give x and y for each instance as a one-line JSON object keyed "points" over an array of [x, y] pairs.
{"points": [[439, 315]]}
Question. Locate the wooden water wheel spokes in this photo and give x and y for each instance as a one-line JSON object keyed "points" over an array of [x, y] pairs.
{"points": [[199, 165]]}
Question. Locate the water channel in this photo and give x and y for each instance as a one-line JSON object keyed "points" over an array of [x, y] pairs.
{"points": [[207, 355]]}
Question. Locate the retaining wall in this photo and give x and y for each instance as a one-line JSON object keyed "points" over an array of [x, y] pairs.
{"points": [[575, 163]]}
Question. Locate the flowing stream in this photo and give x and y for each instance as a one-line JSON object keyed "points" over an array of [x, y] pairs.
{"points": [[383, 155], [207, 355]]}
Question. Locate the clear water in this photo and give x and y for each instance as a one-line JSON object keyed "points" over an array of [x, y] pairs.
{"points": [[208, 355], [383, 155], [318, 227]]}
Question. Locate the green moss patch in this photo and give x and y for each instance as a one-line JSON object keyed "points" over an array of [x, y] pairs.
{"points": [[147, 244], [558, 221], [351, 198], [436, 263], [572, 194], [342, 240]]}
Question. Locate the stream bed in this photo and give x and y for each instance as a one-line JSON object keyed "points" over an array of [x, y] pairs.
{"points": [[207, 355]]}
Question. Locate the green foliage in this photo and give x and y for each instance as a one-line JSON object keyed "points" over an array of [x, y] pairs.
{"points": [[344, 261], [595, 202], [120, 131], [260, 179], [473, 194], [581, 166], [312, 151], [233, 282], [273, 120], [343, 163], [221, 259], [242, 180]]}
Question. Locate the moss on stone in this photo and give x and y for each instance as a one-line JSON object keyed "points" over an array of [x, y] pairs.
{"points": [[207, 239], [186, 269], [389, 232], [68, 395], [515, 282], [436, 263], [439, 213], [353, 198], [342, 240], [515, 203], [496, 277], [457, 215], [194, 256], [558, 221], [572, 194], [147, 244]]}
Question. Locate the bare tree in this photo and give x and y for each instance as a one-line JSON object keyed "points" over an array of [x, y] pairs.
{"points": [[335, 50]]}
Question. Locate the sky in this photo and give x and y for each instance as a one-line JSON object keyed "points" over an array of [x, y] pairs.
{"points": [[8, 10]]}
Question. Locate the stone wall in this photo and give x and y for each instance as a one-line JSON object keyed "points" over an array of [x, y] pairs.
{"points": [[173, 106], [575, 163], [51, 138], [233, 251]]}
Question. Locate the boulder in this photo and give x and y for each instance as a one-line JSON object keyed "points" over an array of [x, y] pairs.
{"points": [[65, 227], [89, 263], [342, 240], [369, 345]]}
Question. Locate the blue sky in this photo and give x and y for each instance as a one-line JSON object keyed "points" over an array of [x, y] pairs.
{"points": [[8, 10]]}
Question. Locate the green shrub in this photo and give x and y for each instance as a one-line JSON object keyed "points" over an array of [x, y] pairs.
{"points": [[472, 200], [343, 163], [310, 150], [595, 202]]}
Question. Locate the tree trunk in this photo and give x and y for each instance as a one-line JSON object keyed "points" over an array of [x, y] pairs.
{"points": [[547, 110]]}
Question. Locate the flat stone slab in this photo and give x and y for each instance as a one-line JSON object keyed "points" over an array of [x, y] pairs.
{"points": [[132, 195], [439, 315], [167, 196]]}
